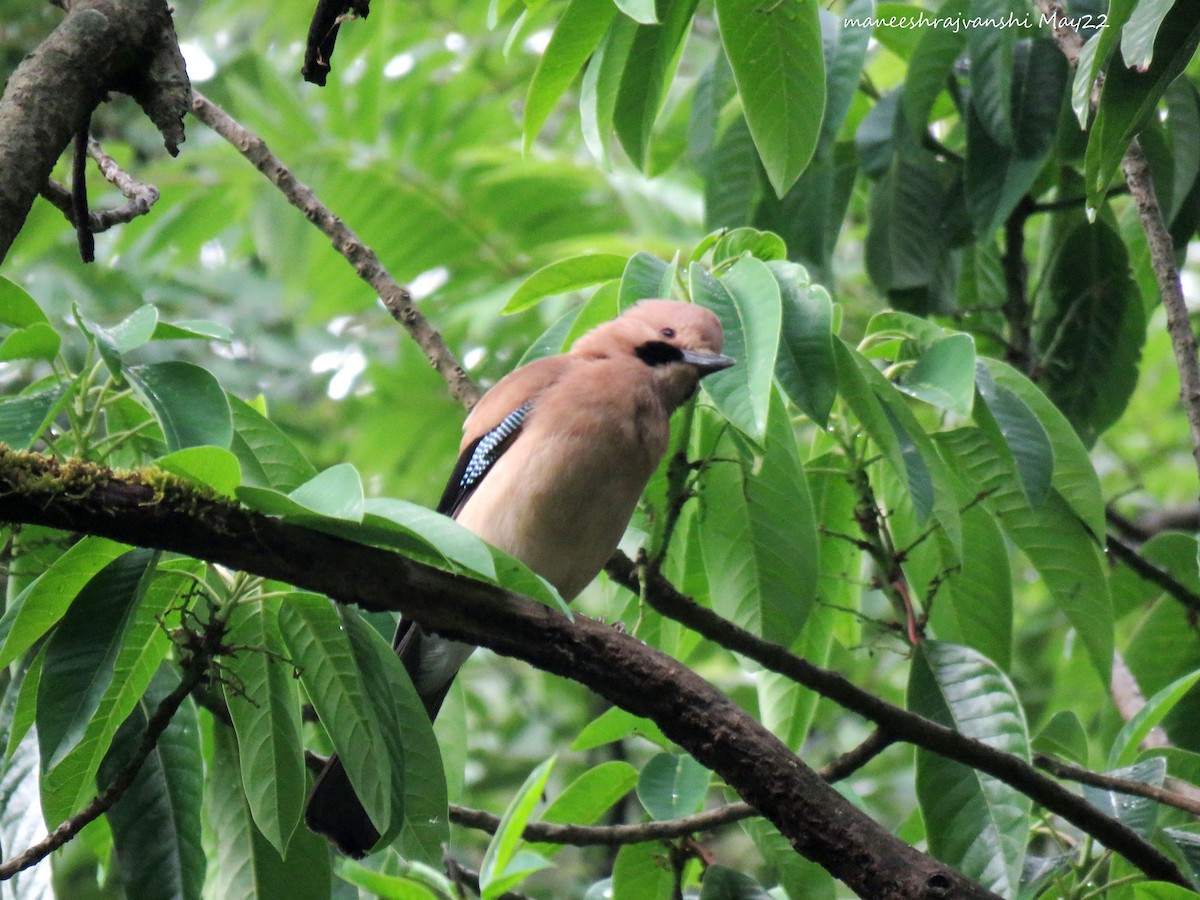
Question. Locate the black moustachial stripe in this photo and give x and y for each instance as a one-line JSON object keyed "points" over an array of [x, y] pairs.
{"points": [[478, 458], [658, 353]]}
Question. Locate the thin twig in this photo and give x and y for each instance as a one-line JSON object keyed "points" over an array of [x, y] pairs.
{"points": [[618, 835], [1156, 575], [366, 264], [141, 196], [1061, 769]]}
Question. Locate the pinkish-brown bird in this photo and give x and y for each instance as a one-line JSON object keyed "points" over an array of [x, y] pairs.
{"points": [[553, 461]]}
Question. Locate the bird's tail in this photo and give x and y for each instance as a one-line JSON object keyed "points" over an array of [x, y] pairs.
{"points": [[334, 809]]}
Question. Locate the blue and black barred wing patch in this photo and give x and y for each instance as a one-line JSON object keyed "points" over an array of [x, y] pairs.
{"points": [[478, 458]]}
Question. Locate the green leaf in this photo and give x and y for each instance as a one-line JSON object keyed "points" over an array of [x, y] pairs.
{"points": [[413, 881], [747, 301], [1094, 54], [564, 276], [48, 598], [156, 823], [265, 708], [329, 670], [796, 875], [944, 374], [761, 245], [268, 457], [21, 821], [640, 871], [990, 50], [18, 309], [615, 725], [998, 176], [36, 341], [759, 536], [1161, 890], [805, 366], [1138, 813], [602, 82], [23, 420], [72, 783], [439, 532], [1090, 329], [643, 85], [135, 330], [973, 822], [336, 493], [1129, 96], [1052, 536], [503, 866], [579, 30], [1021, 433], [732, 189], [213, 467], [642, 11], [586, 798], [776, 55], [187, 401], [931, 64], [645, 277], [845, 68], [83, 650], [401, 713], [722, 883], [1074, 476], [1063, 736], [192, 329], [1125, 747], [672, 785], [245, 864]]}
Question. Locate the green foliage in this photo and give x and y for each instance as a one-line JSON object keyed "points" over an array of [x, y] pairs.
{"points": [[951, 371]]}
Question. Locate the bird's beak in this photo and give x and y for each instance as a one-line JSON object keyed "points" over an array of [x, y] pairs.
{"points": [[708, 363]]}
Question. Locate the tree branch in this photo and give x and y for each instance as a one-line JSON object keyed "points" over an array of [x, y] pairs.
{"points": [[901, 724], [1121, 785], [366, 264], [140, 196], [101, 46], [160, 511]]}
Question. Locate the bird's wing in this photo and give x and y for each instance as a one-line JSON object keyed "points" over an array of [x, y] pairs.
{"points": [[494, 424]]}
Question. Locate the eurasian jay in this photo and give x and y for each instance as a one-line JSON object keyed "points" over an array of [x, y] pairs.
{"points": [[552, 463]]}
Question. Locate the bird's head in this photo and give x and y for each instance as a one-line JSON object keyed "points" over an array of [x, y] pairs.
{"points": [[679, 342]]}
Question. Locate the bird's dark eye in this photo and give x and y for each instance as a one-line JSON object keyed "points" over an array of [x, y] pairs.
{"points": [[668, 332]]}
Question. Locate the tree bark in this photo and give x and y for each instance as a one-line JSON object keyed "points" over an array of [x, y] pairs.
{"points": [[101, 46]]}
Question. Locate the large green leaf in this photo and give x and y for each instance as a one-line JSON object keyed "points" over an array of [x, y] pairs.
{"points": [[931, 64], [990, 49], [588, 797], [21, 821], [264, 703], [328, 666], [1129, 96], [1074, 476], [36, 341], [579, 30], [1052, 536], [747, 301], [187, 401], [504, 864], [24, 419], [974, 822], [844, 67], [564, 276], [246, 864], [1125, 747], [156, 823], [944, 374], [82, 653], [759, 536], [645, 277], [805, 367], [213, 467], [267, 456], [1090, 329], [602, 83], [401, 712], [672, 785], [997, 175], [638, 872], [732, 188], [655, 51], [71, 783], [1020, 431], [776, 56], [17, 308]]}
